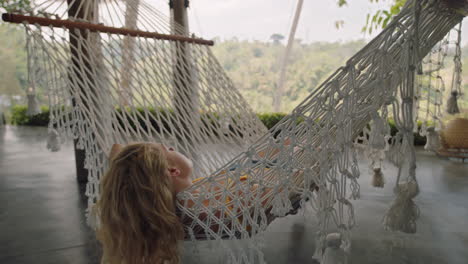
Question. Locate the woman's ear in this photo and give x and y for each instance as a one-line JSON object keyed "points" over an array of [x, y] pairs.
{"points": [[116, 148], [173, 172]]}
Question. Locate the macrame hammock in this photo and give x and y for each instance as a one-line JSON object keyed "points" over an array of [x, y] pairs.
{"points": [[113, 79]]}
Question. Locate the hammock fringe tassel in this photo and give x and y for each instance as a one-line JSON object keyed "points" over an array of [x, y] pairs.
{"points": [[433, 141], [403, 212], [452, 104], [53, 140], [33, 105], [334, 253], [378, 179]]}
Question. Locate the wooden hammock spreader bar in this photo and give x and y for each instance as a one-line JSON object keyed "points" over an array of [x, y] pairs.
{"points": [[60, 23]]}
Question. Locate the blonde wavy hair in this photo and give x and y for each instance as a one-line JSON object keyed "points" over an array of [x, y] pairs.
{"points": [[138, 221]]}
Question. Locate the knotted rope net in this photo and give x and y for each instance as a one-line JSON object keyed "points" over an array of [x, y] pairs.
{"points": [[108, 86]]}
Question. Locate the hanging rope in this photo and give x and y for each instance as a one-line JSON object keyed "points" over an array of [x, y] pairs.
{"points": [[403, 212]]}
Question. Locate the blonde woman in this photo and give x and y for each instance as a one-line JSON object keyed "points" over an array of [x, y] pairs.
{"points": [[138, 217]]}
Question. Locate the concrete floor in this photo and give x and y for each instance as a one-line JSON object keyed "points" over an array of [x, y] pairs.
{"points": [[42, 220]]}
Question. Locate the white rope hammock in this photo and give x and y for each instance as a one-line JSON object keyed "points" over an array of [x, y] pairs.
{"points": [[107, 88]]}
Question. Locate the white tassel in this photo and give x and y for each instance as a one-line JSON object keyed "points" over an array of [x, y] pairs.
{"points": [[452, 104], [334, 253], [319, 248], [378, 178], [53, 141], [432, 140], [403, 213], [92, 217], [33, 105]]}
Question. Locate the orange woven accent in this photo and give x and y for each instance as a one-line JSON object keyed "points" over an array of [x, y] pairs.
{"points": [[198, 179]]}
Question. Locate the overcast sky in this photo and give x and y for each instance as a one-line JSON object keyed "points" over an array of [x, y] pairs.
{"points": [[259, 19]]}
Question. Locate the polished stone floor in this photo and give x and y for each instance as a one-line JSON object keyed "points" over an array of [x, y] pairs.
{"points": [[42, 220]]}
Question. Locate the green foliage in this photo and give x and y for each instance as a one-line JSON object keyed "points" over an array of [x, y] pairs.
{"points": [[14, 5], [19, 117], [380, 18], [418, 139], [137, 116], [210, 120], [13, 72], [270, 119], [254, 68], [277, 38], [339, 24], [342, 3]]}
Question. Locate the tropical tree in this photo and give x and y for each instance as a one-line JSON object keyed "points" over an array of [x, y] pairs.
{"points": [[13, 73], [381, 17], [277, 38], [11, 5]]}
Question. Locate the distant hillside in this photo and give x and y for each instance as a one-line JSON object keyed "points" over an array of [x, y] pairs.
{"points": [[253, 67]]}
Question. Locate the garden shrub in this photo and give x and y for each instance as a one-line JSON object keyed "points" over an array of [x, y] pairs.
{"points": [[210, 120], [270, 119], [19, 117]]}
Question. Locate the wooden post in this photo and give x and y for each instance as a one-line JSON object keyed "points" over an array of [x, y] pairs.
{"points": [[77, 51], [179, 13], [186, 94], [128, 58]]}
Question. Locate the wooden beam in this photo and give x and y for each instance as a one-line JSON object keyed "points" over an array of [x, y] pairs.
{"points": [[60, 23]]}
